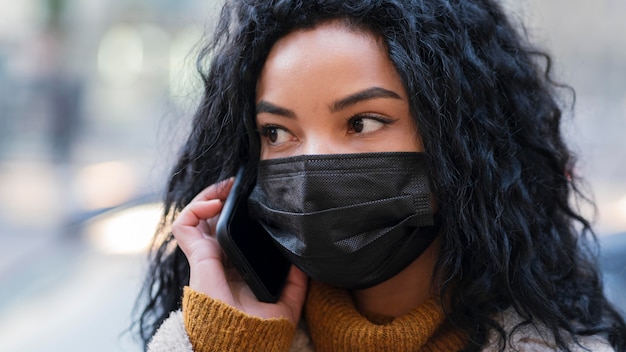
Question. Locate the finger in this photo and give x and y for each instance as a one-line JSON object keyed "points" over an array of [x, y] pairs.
{"points": [[198, 211], [185, 228], [206, 271], [211, 225], [218, 190], [205, 228], [294, 292]]}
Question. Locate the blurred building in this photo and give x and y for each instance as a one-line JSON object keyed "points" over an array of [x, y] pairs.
{"points": [[89, 82], [94, 96]]}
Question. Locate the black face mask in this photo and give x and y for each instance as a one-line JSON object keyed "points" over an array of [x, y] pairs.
{"points": [[349, 220]]}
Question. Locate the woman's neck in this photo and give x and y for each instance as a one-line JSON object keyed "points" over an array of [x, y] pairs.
{"points": [[406, 290]]}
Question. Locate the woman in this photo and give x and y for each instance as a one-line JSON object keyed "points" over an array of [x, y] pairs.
{"points": [[448, 113]]}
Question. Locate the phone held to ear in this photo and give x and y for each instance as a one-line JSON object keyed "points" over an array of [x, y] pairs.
{"points": [[249, 247]]}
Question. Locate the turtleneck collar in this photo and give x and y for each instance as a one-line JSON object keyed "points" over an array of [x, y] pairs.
{"points": [[335, 324]]}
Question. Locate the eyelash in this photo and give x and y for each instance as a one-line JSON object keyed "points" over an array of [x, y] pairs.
{"points": [[383, 120], [264, 131], [270, 133]]}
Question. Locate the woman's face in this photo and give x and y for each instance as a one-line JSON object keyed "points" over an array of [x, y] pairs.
{"points": [[332, 90]]}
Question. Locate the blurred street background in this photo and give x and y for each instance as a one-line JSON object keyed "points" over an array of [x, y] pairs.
{"points": [[95, 98]]}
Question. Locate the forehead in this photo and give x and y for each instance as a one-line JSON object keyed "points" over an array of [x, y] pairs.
{"points": [[336, 34], [328, 54], [336, 37]]}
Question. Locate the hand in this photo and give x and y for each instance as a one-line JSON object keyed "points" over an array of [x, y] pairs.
{"points": [[194, 230]]}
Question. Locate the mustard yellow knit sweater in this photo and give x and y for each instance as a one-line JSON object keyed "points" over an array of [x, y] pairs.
{"points": [[333, 324]]}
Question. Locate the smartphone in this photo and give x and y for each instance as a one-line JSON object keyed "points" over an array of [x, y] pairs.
{"points": [[249, 247]]}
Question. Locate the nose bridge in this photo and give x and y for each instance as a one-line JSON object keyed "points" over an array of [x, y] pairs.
{"points": [[320, 142], [319, 145]]}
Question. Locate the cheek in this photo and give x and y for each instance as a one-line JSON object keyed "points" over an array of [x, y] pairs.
{"points": [[264, 155], [408, 137]]}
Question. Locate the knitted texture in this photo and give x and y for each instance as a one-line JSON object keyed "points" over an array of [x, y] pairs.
{"points": [[213, 325], [335, 325]]}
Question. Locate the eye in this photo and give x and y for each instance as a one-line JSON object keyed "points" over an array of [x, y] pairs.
{"points": [[276, 135], [367, 123]]}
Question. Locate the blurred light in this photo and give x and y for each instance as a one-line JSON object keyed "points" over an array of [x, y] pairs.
{"points": [[185, 85], [613, 216], [30, 194], [104, 185], [621, 204], [121, 55], [155, 49], [16, 18], [127, 231]]}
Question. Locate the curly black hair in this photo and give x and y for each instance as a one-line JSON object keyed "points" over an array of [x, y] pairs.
{"points": [[511, 236]]}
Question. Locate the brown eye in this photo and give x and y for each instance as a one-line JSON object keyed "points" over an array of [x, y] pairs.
{"points": [[272, 134], [367, 123], [275, 135], [357, 125]]}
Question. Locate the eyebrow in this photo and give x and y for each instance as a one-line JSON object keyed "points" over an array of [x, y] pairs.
{"points": [[264, 106], [367, 94]]}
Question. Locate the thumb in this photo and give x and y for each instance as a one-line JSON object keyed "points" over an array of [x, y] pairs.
{"points": [[294, 293]]}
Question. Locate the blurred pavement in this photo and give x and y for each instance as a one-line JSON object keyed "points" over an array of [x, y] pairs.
{"points": [[69, 299]]}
